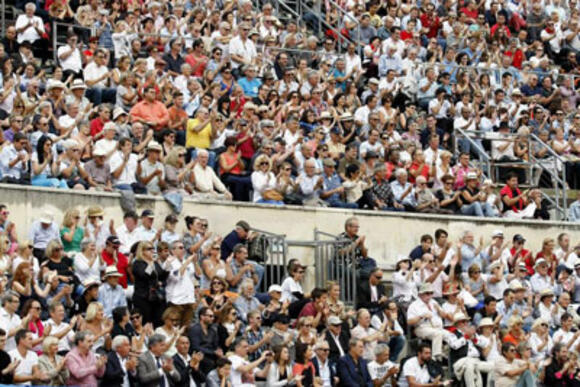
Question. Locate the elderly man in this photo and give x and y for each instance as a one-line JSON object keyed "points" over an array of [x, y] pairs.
{"points": [[332, 189], [242, 48], [383, 370], [403, 190], [388, 316], [30, 28], [464, 355], [247, 301], [425, 315], [336, 338], [121, 369], [241, 268], [186, 365], [42, 231], [369, 335], [14, 160], [352, 367], [323, 367], [111, 294], [541, 278], [371, 293], [150, 171], [207, 183], [310, 183], [154, 369], [82, 363]]}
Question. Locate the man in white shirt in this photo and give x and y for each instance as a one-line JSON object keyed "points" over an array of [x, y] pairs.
{"points": [[425, 315], [127, 233], [181, 281], [242, 49], [30, 28], [541, 279], [369, 335], [464, 355], [123, 164], [27, 370], [9, 320], [59, 328], [97, 77], [502, 148], [415, 371], [244, 370], [207, 184], [382, 370], [146, 231], [69, 122], [70, 57], [322, 365]]}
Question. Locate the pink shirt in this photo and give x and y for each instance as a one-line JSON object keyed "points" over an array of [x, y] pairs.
{"points": [[83, 369], [460, 173]]}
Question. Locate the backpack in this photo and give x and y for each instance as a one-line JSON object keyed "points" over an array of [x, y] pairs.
{"points": [[258, 249]]}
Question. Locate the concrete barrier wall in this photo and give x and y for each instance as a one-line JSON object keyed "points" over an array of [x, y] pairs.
{"points": [[388, 234]]}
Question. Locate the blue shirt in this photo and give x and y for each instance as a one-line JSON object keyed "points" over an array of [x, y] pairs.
{"points": [[250, 88], [398, 190], [329, 184], [468, 257], [387, 63], [106, 38], [111, 298], [574, 212], [339, 74]]}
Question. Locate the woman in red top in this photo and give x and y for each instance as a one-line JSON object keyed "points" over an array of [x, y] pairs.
{"points": [[515, 334], [303, 366], [547, 253], [419, 168], [197, 60], [231, 169]]}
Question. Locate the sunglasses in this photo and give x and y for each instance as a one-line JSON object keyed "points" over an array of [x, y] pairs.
{"points": [[135, 317]]}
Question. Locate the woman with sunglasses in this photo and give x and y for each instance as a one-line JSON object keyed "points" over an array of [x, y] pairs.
{"points": [[212, 266], [142, 332], [58, 262], [171, 330], [71, 232], [231, 169], [229, 327], [510, 371], [264, 182], [31, 311], [540, 341], [216, 296], [149, 275], [45, 165]]}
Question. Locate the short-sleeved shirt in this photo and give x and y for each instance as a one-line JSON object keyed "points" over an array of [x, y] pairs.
{"points": [[201, 139]]}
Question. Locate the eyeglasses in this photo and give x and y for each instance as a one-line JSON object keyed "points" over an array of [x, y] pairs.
{"points": [[179, 247], [216, 283], [149, 248], [300, 271], [216, 248], [96, 217], [511, 350], [58, 249], [263, 163], [35, 307], [324, 349], [135, 317], [181, 155]]}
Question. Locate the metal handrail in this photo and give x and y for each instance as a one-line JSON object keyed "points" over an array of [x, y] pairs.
{"points": [[481, 151]]}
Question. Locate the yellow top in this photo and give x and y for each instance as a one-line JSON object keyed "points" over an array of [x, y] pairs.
{"points": [[201, 139]]}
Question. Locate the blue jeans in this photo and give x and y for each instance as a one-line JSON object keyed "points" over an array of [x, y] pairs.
{"points": [[259, 270], [45, 181], [478, 209], [465, 146], [98, 95], [212, 157], [396, 345], [336, 203], [276, 202]]}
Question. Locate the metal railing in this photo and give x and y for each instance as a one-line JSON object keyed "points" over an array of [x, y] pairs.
{"points": [[274, 257], [57, 32], [484, 158], [560, 183], [334, 259]]}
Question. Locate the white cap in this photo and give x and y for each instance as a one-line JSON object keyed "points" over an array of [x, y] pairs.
{"points": [[275, 288]]}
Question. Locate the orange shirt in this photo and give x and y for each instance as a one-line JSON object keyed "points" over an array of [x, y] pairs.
{"points": [[150, 111], [176, 115]]}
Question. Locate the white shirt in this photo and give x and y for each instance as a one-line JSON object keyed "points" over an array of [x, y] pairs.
{"points": [[235, 375], [127, 176], [483, 342], [84, 271], [246, 49], [262, 182], [144, 234], [8, 155], [360, 332], [180, 287], [540, 282], [377, 371], [402, 286], [126, 382], [535, 342], [30, 34], [460, 122], [93, 71], [72, 62], [8, 323], [413, 368], [65, 342], [26, 363], [127, 238], [290, 286], [565, 338], [324, 369], [419, 308], [67, 121]]}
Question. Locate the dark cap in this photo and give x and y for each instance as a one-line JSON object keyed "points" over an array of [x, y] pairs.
{"points": [[113, 239], [518, 238], [244, 225], [335, 130], [147, 214]]}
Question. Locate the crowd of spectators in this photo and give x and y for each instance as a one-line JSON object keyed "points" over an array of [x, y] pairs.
{"points": [[89, 302], [230, 100]]}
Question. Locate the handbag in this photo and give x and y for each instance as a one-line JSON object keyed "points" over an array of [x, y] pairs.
{"points": [[272, 194]]}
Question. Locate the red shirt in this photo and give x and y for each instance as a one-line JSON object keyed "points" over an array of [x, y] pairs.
{"points": [[432, 23], [468, 13], [246, 148], [506, 190], [97, 126], [424, 172], [122, 265], [496, 26], [529, 260], [406, 35], [517, 58]]}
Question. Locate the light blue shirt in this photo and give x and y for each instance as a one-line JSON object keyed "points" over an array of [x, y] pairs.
{"points": [[574, 212], [40, 236], [505, 313], [398, 190], [8, 155], [111, 298], [387, 63], [468, 257]]}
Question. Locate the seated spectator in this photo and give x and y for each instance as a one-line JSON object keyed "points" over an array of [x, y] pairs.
{"points": [[206, 182], [44, 165], [83, 365], [510, 370], [526, 204], [415, 371], [14, 160], [264, 182], [352, 367], [403, 190], [231, 169], [150, 171]]}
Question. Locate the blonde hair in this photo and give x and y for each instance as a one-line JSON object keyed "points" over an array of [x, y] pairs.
{"points": [[142, 245], [69, 216], [23, 245], [47, 342], [261, 159], [52, 245], [4, 245], [173, 156], [92, 310]]}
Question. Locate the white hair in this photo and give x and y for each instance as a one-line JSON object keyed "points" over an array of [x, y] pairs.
{"points": [[202, 152], [118, 341], [399, 172], [31, 6]]}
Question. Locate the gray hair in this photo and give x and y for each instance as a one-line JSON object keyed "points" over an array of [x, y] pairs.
{"points": [[399, 172], [31, 6], [379, 349], [202, 152], [85, 243], [81, 336], [246, 283], [8, 296], [155, 339], [118, 341]]}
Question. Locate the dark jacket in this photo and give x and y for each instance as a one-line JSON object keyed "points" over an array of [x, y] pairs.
{"points": [[343, 338], [185, 371], [363, 296], [114, 373], [331, 366], [352, 376]]}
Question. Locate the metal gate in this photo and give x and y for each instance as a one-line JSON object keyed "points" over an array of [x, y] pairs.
{"points": [[274, 258], [334, 260]]}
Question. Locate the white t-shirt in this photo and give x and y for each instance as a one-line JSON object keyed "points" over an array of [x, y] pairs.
{"points": [[377, 371], [245, 49], [128, 174], [26, 363], [412, 368], [93, 72], [290, 286], [30, 34], [72, 62], [235, 376]]}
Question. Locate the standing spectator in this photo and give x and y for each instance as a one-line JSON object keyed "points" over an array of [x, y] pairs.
{"points": [[30, 28], [111, 294], [149, 276], [180, 282], [203, 337]]}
